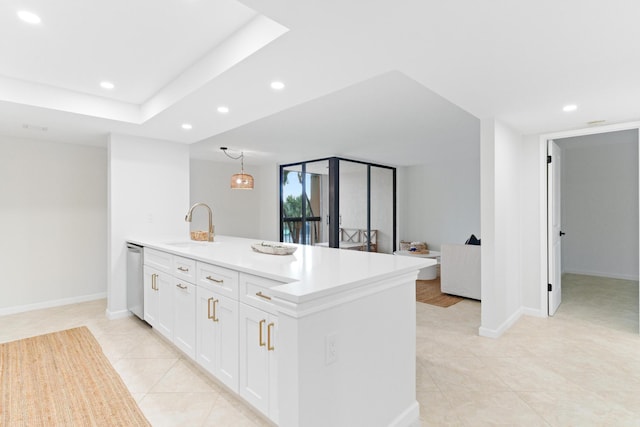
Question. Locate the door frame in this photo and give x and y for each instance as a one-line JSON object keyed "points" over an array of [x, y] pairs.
{"points": [[544, 208], [554, 235]]}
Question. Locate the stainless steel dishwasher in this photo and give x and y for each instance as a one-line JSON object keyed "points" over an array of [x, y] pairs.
{"points": [[135, 279]]}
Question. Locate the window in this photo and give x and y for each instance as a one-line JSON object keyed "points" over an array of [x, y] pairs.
{"points": [[339, 203]]}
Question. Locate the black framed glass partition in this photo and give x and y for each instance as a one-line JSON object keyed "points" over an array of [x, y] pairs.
{"points": [[339, 203], [303, 189]]}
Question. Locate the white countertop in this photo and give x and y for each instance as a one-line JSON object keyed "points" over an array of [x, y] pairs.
{"points": [[311, 272]]}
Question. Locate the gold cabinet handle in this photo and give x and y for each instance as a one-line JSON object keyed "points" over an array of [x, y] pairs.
{"points": [[262, 322], [261, 295], [154, 279], [183, 269], [209, 308], [181, 286], [214, 318], [214, 280], [269, 329]]}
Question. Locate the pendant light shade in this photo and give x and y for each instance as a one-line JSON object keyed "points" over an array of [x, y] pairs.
{"points": [[242, 181], [239, 181]]}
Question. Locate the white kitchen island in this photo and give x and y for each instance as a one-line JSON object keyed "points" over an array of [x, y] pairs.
{"points": [[323, 337]]}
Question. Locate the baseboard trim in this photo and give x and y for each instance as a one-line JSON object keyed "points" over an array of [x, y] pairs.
{"points": [[497, 333], [120, 314], [410, 417], [601, 274], [534, 312], [53, 303]]}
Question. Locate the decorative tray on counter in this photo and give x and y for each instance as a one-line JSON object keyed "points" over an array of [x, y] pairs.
{"points": [[273, 248]]}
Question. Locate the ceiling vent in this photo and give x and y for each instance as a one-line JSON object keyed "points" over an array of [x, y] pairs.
{"points": [[33, 127]]}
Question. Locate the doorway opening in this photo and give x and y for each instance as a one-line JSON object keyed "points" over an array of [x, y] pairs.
{"points": [[598, 259]]}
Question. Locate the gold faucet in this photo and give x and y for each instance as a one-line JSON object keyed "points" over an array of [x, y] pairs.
{"points": [[189, 214]]}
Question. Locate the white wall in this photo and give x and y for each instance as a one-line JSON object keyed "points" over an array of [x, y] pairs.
{"points": [[53, 223], [440, 202], [148, 198], [235, 212], [501, 151], [243, 213], [600, 204], [533, 193], [269, 191]]}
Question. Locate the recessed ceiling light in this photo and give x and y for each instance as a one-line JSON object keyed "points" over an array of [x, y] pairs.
{"points": [[29, 17], [570, 107], [34, 127], [107, 85], [277, 85], [222, 109], [187, 126]]}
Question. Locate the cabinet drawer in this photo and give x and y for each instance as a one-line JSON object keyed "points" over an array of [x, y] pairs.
{"points": [[159, 260], [184, 268], [254, 291], [218, 279]]}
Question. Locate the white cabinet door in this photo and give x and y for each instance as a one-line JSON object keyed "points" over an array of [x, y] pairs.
{"points": [[217, 340], [151, 295], [164, 323], [184, 321], [227, 351], [206, 330], [257, 359], [272, 331]]}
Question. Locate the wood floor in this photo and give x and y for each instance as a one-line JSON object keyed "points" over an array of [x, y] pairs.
{"points": [[428, 292]]}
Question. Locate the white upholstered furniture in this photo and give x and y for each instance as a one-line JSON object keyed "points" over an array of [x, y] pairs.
{"points": [[427, 273], [460, 270]]}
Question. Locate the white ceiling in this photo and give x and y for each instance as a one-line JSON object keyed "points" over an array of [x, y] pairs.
{"points": [[389, 119], [368, 79]]}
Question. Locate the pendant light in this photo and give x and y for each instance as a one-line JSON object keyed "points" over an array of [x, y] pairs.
{"points": [[239, 181]]}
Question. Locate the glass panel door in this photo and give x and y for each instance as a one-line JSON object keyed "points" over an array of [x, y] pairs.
{"points": [[381, 209], [317, 207], [305, 200], [339, 203], [353, 205], [291, 204]]}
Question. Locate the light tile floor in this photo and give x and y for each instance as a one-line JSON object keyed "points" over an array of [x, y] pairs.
{"points": [[579, 368]]}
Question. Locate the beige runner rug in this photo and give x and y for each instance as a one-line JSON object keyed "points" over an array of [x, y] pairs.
{"points": [[63, 379], [428, 291]]}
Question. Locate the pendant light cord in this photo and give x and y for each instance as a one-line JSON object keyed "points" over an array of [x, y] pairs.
{"points": [[241, 156]]}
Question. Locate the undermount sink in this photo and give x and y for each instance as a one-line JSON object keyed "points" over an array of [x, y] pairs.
{"points": [[190, 244]]}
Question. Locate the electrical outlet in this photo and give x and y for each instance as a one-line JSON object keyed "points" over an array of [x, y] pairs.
{"points": [[331, 348]]}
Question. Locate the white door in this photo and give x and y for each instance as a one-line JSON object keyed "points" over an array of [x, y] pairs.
{"points": [[554, 266]]}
